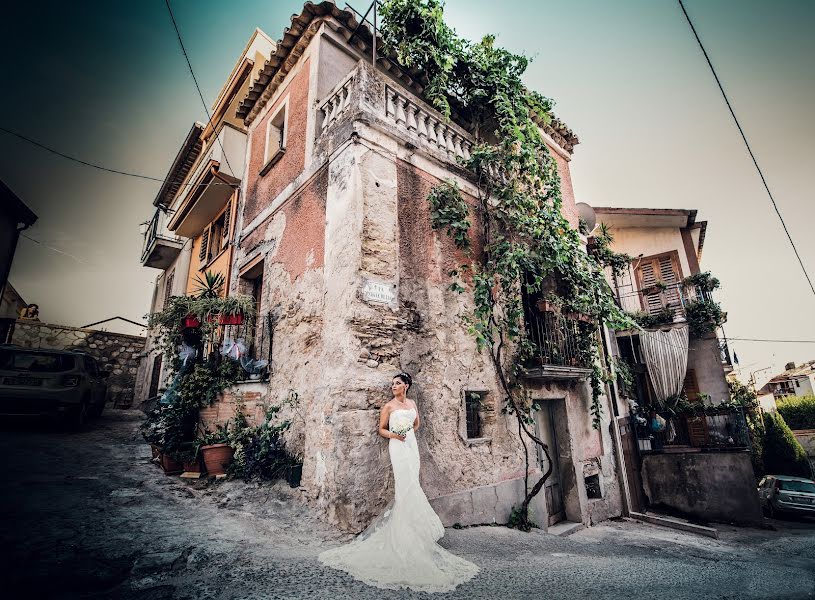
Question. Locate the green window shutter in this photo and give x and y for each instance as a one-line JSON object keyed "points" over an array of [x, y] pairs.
{"points": [[225, 237]]}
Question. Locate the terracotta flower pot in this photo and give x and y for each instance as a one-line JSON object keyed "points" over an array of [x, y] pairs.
{"points": [[170, 465], [546, 306], [217, 457]]}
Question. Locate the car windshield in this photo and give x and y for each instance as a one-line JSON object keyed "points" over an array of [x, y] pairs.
{"points": [[35, 362], [797, 486]]}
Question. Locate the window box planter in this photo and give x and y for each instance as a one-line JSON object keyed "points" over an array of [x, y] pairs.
{"points": [[192, 322], [217, 458], [236, 319]]}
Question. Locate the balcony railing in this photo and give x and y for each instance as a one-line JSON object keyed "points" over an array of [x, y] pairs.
{"points": [[160, 247], [366, 95], [725, 429], [659, 299], [558, 342], [252, 340], [724, 351]]}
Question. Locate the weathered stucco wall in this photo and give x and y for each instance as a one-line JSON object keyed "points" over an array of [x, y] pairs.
{"points": [[709, 486], [705, 359], [119, 351]]}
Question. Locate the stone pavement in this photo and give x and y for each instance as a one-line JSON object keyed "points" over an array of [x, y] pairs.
{"points": [[88, 516]]}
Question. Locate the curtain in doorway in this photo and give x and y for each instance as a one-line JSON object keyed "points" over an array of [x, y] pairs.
{"points": [[666, 356]]}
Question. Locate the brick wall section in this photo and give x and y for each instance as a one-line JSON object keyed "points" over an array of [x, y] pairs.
{"points": [[416, 236], [260, 191], [223, 410], [119, 351]]}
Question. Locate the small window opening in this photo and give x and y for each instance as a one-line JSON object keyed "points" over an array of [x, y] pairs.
{"points": [[593, 486], [275, 139], [473, 402]]}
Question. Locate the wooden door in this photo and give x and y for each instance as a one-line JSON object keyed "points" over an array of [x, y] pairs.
{"points": [[631, 464], [553, 488]]}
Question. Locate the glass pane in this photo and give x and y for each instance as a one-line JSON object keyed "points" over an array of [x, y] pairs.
{"points": [[35, 362]]}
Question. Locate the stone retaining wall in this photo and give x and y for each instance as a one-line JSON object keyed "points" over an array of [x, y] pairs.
{"points": [[118, 350]]}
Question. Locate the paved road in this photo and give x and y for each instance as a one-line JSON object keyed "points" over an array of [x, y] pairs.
{"points": [[88, 516]]}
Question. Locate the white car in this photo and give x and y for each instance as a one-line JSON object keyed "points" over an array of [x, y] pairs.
{"points": [[786, 494]]}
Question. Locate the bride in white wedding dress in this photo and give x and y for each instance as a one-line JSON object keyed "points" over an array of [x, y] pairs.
{"points": [[399, 549]]}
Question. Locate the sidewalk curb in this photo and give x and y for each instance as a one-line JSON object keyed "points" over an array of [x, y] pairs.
{"points": [[674, 524]]}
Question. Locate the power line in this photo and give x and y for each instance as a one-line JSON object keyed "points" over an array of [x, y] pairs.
{"points": [[79, 260], [746, 143], [774, 341], [98, 166], [195, 80]]}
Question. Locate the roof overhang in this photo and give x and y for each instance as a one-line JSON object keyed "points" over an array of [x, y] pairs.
{"points": [[646, 217], [15, 207], [304, 27], [211, 192], [182, 164]]}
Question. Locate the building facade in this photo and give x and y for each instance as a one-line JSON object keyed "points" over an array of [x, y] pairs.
{"points": [[696, 462], [192, 229], [334, 239], [796, 380]]}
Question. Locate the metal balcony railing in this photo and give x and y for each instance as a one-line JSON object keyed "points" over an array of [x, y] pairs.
{"points": [[659, 299], [156, 234], [724, 429], [556, 338], [255, 339]]}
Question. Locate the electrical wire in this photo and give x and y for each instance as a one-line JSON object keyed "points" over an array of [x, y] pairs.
{"points": [[195, 80], [28, 237], [747, 144], [100, 167]]}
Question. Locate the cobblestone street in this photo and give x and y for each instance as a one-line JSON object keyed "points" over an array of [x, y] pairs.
{"points": [[86, 515]]}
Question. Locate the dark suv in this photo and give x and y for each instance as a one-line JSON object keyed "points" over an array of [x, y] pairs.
{"points": [[52, 383]]}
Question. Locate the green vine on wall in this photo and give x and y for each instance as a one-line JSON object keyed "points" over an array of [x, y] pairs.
{"points": [[526, 239]]}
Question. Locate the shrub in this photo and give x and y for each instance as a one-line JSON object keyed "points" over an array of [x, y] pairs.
{"points": [[798, 411], [783, 454]]}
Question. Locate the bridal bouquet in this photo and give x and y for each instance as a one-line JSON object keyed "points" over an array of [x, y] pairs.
{"points": [[401, 426]]}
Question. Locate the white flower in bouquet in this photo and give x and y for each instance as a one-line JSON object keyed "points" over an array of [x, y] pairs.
{"points": [[401, 425]]}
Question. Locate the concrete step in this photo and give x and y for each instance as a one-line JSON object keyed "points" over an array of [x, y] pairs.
{"points": [[564, 528], [675, 523]]}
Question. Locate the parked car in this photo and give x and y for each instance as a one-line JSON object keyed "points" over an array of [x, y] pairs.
{"points": [[51, 383], [786, 494]]}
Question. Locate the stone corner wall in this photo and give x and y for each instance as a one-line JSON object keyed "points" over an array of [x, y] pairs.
{"points": [[120, 351]]}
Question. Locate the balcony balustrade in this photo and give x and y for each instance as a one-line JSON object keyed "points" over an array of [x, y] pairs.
{"points": [[724, 429], [160, 247]]}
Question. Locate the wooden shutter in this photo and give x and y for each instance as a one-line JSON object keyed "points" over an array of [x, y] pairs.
{"points": [[691, 386], [202, 253], [168, 288], [658, 269], [227, 217]]}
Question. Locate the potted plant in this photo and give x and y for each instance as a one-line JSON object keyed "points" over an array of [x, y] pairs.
{"points": [[215, 450]]}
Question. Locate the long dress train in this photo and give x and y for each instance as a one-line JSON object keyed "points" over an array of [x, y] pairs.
{"points": [[399, 549]]}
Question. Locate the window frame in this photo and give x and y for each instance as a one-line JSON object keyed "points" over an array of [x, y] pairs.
{"points": [[270, 158]]}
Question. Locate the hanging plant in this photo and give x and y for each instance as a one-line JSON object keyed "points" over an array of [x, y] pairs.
{"points": [[524, 235]]}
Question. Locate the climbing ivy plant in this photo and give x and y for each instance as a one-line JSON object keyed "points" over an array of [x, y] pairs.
{"points": [[524, 235]]}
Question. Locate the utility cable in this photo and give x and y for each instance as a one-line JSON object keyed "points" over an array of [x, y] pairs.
{"points": [[97, 166], [79, 260], [746, 143], [197, 87]]}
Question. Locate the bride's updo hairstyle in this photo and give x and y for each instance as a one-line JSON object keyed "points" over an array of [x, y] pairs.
{"points": [[406, 379]]}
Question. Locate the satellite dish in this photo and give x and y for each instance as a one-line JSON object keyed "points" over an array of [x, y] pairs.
{"points": [[588, 215]]}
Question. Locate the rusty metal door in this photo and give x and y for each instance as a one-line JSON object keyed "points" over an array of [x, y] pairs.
{"points": [[631, 462]]}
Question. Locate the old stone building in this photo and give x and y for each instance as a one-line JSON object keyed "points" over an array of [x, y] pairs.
{"points": [[333, 236]]}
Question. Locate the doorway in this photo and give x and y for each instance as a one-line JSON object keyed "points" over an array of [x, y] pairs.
{"points": [[553, 488]]}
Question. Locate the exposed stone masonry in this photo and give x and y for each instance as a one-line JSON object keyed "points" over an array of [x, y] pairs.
{"points": [[121, 352]]}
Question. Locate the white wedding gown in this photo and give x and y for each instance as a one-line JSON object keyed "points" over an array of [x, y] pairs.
{"points": [[399, 549]]}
